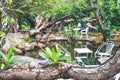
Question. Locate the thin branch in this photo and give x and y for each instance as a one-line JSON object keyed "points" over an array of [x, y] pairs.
{"points": [[96, 14]]}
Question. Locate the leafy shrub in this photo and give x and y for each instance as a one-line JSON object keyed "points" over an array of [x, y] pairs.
{"points": [[69, 32], [6, 60], [115, 27], [54, 56]]}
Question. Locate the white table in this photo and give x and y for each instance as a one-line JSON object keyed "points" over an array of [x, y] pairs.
{"points": [[82, 51], [77, 29]]}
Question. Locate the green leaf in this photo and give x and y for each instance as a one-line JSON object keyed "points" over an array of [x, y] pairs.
{"points": [[43, 55], [10, 53], [9, 2], [12, 21], [58, 54], [47, 53], [53, 54], [2, 66], [20, 11], [48, 50], [3, 56], [2, 33]]}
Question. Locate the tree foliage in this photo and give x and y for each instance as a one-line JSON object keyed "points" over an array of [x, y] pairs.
{"points": [[24, 11]]}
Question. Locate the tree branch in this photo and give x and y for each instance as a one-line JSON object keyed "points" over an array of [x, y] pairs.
{"points": [[49, 23], [98, 18], [104, 72], [96, 14]]}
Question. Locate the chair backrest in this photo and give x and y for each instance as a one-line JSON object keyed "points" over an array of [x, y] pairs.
{"points": [[79, 24], [85, 30], [109, 46], [84, 33], [99, 48]]}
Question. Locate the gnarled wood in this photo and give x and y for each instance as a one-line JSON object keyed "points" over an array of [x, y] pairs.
{"points": [[41, 26], [63, 70]]}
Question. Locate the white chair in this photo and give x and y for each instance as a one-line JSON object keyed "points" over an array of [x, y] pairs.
{"points": [[109, 46], [84, 33], [117, 76], [79, 24]]}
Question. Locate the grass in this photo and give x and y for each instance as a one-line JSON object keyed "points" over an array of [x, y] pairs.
{"points": [[88, 61]]}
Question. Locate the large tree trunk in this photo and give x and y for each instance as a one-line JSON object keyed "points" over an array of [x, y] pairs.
{"points": [[98, 19], [0, 20], [63, 70]]}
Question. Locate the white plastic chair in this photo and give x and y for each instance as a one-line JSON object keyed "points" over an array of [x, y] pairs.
{"points": [[109, 46], [79, 24], [84, 33], [117, 76]]}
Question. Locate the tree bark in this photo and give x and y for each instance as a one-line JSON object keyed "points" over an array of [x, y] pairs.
{"points": [[98, 19], [63, 70], [0, 20]]}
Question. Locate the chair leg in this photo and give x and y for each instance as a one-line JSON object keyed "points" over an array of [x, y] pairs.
{"points": [[101, 56]]}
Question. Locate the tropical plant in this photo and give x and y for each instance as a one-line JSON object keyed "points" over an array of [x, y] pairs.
{"points": [[7, 59], [54, 56]]}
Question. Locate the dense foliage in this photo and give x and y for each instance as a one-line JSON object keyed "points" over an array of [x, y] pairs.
{"points": [[23, 12]]}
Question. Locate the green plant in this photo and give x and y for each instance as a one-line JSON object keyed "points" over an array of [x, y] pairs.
{"points": [[27, 38], [6, 60], [88, 61], [54, 56], [69, 31], [115, 27], [107, 32]]}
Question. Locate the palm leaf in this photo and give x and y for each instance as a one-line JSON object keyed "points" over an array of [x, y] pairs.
{"points": [[46, 52], [53, 54], [49, 50], [3, 56], [10, 53], [58, 54], [43, 55]]}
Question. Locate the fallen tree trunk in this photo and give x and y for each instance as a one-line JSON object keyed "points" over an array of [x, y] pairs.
{"points": [[63, 70]]}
